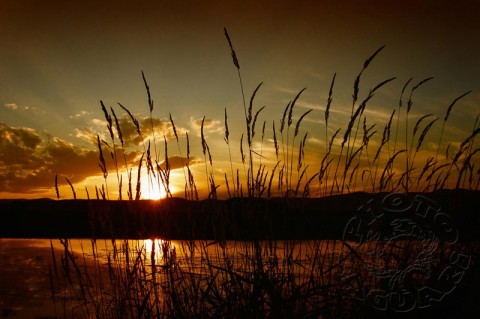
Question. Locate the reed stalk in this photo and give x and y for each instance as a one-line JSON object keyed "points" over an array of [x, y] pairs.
{"points": [[407, 155]]}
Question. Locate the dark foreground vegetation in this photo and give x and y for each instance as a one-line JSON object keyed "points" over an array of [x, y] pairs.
{"points": [[426, 271], [412, 256]]}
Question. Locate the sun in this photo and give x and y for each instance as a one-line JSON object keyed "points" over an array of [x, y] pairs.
{"points": [[151, 189]]}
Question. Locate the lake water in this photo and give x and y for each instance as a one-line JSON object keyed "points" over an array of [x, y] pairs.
{"points": [[34, 272], [27, 265], [25, 290]]}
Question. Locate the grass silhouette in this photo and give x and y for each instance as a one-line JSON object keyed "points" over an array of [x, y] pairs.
{"points": [[268, 278]]}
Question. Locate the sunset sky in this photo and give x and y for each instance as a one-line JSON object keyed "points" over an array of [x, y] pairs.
{"points": [[58, 59]]}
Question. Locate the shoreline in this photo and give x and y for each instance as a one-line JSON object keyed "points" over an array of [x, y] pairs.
{"points": [[231, 219]]}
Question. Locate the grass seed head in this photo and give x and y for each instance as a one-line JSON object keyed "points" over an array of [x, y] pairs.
{"points": [[282, 122], [275, 142], [297, 126], [117, 126], [173, 127], [227, 133], [424, 133], [108, 118], [150, 101], [329, 100], [452, 104], [234, 55]]}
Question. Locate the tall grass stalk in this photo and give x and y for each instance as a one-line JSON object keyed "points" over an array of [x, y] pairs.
{"points": [[150, 108], [72, 188], [445, 119], [289, 159], [179, 150], [355, 163], [247, 117], [227, 140], [102, 164], [257, 279], [407, 155], [301, 148], [356, 87]]}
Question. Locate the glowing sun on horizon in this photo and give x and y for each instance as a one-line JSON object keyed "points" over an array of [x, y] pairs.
{"points": [[151, 189]]}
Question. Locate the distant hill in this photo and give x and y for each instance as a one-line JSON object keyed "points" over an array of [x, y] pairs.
{"points": [[235, 218]]}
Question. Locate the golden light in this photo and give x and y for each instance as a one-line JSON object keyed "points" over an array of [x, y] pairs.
{"points": [[158, 247], [151, 189], [153, 245]]}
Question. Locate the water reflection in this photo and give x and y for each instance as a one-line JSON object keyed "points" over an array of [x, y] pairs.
{"points": [[89, 275], [102, 248]]}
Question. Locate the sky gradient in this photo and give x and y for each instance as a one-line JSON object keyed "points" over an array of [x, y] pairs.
{"points": [[58, 60]]}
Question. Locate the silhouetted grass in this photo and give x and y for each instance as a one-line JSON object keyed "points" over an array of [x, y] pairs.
{"points": [[260, 279]]}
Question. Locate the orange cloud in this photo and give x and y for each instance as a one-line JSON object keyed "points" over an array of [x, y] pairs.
{"points": [[209, 125], [161, 127], [11, 106], [29, 164]]}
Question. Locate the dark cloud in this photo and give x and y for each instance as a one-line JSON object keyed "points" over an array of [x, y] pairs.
{"points": [[176, 162], [20, 136], [17, 147], [29, 165]]}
